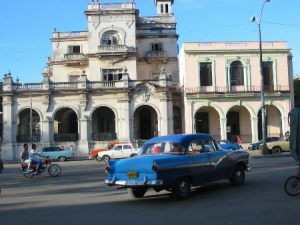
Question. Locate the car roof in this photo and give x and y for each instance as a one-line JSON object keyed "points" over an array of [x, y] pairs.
{"points": [[184, 139]]}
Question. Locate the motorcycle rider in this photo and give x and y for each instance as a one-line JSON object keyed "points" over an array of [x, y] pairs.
{"points": [[25, 154], [33, 158]]}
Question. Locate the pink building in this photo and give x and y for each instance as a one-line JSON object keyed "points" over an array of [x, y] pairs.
{"points": [[222, 95]]}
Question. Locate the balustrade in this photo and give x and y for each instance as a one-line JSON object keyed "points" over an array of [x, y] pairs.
{"points": [[104, 136], [63, 137], [235, 89]]}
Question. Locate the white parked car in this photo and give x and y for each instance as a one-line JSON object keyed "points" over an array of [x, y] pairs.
{"points": [[119, 151]]}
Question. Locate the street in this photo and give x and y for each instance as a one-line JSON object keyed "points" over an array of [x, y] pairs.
{"points": [[80, 197]]}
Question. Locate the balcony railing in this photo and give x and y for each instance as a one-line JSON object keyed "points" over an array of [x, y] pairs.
{"points": [[63, 137], [235, 89], [64, 85], [105, 85], [75, 56], [156, 54], [104, 136], [29, 86], [112, 48], [27, 138]]}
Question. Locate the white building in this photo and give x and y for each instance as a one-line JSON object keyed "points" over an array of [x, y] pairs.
{"points": [[116, 80]]}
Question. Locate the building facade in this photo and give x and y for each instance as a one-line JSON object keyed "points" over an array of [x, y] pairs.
{"points": [[222, 88], [118, 80]]}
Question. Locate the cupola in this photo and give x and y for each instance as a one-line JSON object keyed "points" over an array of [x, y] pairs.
{"points": [[164, 7]]}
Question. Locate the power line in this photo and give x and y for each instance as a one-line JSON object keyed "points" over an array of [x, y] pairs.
{"points": [[282, 24]]}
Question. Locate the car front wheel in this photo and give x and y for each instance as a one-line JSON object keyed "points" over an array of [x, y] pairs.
{"points": [[238, 176], [181, 190]]}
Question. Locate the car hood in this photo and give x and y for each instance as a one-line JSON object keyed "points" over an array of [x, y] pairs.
{"points": [[142, 163], [98, 149]]}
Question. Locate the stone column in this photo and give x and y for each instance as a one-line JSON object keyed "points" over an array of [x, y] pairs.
{"points": [[254, 129], [124, 126], [9, 148], [285, 126], [47, 132], [83, 146], [223, 129]]}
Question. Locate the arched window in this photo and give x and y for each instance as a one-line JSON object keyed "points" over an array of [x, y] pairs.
{"points": [[167, 8], [236, 73], [110, 38], [162, 8]]}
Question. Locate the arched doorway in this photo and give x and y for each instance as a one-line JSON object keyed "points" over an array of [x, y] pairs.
{"points": [[273, 124], [25, 123], [145, 123], [103, 125], [65, 125], [239, 124], [207, 120]]}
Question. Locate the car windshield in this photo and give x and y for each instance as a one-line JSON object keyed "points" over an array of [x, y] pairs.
{"points": [[163, 148]]}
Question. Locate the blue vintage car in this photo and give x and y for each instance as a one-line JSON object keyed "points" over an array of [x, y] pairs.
{"points": [[176, 163], [226, 144], [55, 153]]}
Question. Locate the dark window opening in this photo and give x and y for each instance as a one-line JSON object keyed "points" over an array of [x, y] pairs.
{"points": [[268, 75], [75, 49], [167, 8], [202, 122], [236, 73], [157, 47], [205, 74]]}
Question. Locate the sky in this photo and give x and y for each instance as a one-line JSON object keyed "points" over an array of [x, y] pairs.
{"points": [[26, 27]]}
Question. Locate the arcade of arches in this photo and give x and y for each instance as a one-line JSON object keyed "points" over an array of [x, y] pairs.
{"points": [[238, 122], [146, 124], [103, 125]]}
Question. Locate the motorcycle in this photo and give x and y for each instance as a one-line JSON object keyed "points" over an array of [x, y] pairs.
{"points": [[54, 170]]}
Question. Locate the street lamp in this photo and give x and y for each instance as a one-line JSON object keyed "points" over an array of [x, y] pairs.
{"points": [[262, 91]]}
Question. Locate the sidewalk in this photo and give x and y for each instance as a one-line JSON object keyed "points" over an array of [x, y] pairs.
{"points": [[258, 154]]}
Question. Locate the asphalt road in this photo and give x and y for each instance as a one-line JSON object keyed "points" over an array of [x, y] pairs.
{"points": [[79, 197]]}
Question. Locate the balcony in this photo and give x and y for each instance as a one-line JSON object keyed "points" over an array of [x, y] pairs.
{"points": [[156, 57], [114, 53], [80, 85], [235, 90], [75, 59]]}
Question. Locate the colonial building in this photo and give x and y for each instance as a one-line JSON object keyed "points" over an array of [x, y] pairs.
{"points": [[118, 80], [222, 88]]}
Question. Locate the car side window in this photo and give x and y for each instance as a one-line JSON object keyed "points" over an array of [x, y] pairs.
{"points": [[195, 147], [118, 147], [127, 147], [210, 145]]}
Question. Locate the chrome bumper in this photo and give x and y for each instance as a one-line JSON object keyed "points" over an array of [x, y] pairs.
{"points": [[131, 183]]}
